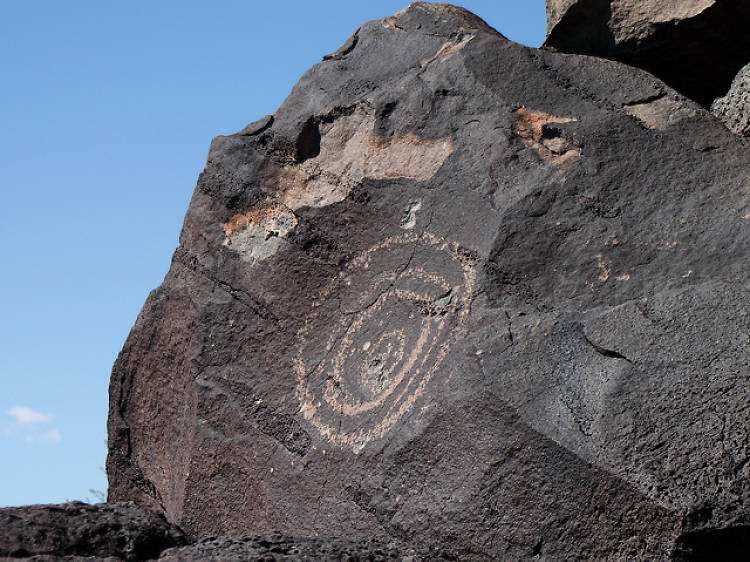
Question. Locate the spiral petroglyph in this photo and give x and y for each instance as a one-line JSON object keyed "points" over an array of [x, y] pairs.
{"points": [[377, 334]]}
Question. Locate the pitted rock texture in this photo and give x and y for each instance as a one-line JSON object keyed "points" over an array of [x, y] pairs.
{"points": [[74, 531], [484, 300], [280, 548], [734, 108], [695, 46]]}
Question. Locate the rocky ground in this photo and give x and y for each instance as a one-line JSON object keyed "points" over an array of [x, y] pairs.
{"points": [[124, 531], [70, 531]]}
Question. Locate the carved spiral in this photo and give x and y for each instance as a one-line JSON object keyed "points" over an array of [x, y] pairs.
{"points": [[377, 334]]}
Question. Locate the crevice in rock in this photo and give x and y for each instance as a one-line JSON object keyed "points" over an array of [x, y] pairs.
{"points": [[604, 351], [649, 99], [191, 263], [307, 144], [710, 545]]}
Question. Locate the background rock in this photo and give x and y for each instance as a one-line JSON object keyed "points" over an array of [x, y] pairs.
{"points": [[480, 299], [121, 531], [556, 10], [695, 46], [734, 108]]}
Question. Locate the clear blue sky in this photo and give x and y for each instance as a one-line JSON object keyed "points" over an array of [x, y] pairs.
{"points": [[107, 110]]}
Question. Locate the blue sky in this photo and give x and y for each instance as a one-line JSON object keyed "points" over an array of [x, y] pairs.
{"points": [[107, 111]]}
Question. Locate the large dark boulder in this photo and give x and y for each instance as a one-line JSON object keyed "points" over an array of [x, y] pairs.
{"points": [[70, 531], [484, 300], [695, 46]]}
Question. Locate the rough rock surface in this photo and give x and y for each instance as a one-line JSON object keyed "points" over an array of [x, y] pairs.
{"points": [[70, 531], [276, 547], [734, 108], [556, 9], [478, 298], [695, 46]]}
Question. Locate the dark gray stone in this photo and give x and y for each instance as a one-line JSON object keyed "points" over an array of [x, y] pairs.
{"points": [[257, 127], [480, 299], [75, 531], [276, 547]]}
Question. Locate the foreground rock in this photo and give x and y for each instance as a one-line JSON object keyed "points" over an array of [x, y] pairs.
{"points": [[276, 547], [77, 532], [734, 108], [483, 300], [121, 531], [695, 46]]}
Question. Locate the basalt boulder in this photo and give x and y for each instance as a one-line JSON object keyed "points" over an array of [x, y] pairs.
{"points": [[74, 531], [280, 548], [734, 108], [695, 46], [484, 300]]}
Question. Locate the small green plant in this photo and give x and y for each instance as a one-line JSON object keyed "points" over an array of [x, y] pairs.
{"points": [[98, 495]]}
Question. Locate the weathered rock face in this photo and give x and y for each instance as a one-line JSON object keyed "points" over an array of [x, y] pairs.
{"points": [[695, 46], [734, 108], [121, 531], [478, 298]]}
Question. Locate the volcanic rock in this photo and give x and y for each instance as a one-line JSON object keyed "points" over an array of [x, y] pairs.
{"points": [[121, 531], [734, 108], [556, 9], [695, 46], [481, 299], [276, 547]]}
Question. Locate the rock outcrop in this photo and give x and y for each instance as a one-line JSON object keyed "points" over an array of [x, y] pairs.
{"points": [[734, 108], [484, 300], [69, 531], [695, 46]]}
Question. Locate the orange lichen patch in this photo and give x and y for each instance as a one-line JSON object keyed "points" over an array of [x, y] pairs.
{"points": [[530, 127], [530, 124], [254, 217], [257, 234]]}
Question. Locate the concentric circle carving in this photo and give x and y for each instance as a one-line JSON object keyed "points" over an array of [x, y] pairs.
{"points": [[378, 333]]}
